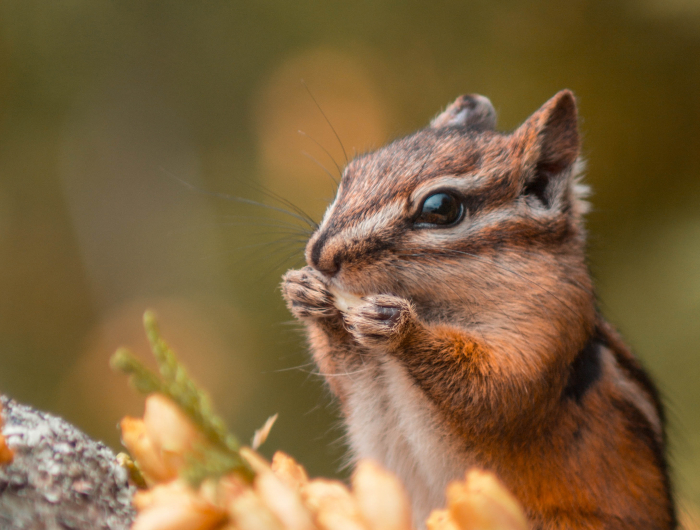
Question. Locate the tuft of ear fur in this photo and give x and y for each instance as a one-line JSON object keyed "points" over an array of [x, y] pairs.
{"points": [[471, 110], [549, 144]]}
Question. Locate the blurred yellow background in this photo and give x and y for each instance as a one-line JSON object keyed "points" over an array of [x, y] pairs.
{"points": [[106, 107]]}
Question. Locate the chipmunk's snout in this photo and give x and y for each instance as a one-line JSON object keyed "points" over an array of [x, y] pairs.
{"points": [[322, 256]]}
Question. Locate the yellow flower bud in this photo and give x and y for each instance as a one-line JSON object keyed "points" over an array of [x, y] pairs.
{"points": [[283, 501], [175, 506], [171, 432], [140, 446], [441, 520], [160, 442], [333, 506], [289, 471], [249, 512], [381, 498], [482, 502]]}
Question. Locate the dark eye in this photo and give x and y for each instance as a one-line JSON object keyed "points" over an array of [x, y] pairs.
{"points": [[440, 209]]}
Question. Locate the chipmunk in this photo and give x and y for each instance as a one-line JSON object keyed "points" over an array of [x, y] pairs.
{"points": [[448, 303]]}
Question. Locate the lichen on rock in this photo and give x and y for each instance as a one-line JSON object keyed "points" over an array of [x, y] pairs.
{"points": [[59, 478]]}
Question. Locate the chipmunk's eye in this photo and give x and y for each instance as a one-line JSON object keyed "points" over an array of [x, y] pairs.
{"points": [[440, 209]]}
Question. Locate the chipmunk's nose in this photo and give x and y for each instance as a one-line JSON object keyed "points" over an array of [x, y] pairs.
{"points": [[323, 256]]}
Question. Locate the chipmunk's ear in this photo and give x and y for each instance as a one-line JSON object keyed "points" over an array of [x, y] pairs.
{"points": [[470, 110], [548, 143]]}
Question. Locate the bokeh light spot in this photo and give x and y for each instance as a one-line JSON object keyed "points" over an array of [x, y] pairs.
{"points": [[346, 94]]}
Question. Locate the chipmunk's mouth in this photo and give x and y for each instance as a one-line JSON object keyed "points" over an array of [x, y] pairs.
{"points": [[344, 300]]}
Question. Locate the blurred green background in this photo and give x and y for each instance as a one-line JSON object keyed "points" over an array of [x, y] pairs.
{"points": [[105, 107]]}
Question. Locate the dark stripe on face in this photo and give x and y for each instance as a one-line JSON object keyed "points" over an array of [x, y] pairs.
{"points": [[527, 232], [513, 234], [586, 370], [363, 251], [497, 191], [318, 248], [452, 167]]}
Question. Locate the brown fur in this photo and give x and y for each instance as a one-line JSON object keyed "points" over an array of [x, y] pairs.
{"points": [[492, 321]]}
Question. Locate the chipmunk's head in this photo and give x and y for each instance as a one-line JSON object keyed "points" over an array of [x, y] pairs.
{"points": [[457, 207]]}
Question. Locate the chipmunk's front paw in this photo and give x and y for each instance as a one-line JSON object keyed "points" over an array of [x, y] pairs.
{"points": [[382, 320], [307, 296]]}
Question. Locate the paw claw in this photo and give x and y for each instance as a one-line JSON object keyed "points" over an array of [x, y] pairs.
{"points": [[388, 313], [380, 320], [307, 296]]}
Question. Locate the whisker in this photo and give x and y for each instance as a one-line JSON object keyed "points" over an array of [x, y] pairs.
{"points": [[362, 371], [280, 230], [324, 168], [242, 200], [263, 229], [275, 196], [277, 265], [263, 219], [345, 154], [340, 171], [269, 227], [291, 368], [268, 243], [263, 252]]}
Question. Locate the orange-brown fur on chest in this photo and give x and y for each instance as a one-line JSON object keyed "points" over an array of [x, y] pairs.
{"points": [[477, 342]]}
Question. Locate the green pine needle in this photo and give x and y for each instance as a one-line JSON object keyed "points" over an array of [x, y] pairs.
{"points": [[140, 377], [214, 463], [175, 383]]}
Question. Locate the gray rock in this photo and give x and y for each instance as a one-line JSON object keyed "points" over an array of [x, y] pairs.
{"points": [[60, 478]]}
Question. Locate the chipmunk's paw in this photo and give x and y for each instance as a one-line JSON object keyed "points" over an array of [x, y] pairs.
{"points": [[307, 296], [382, 320]]}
